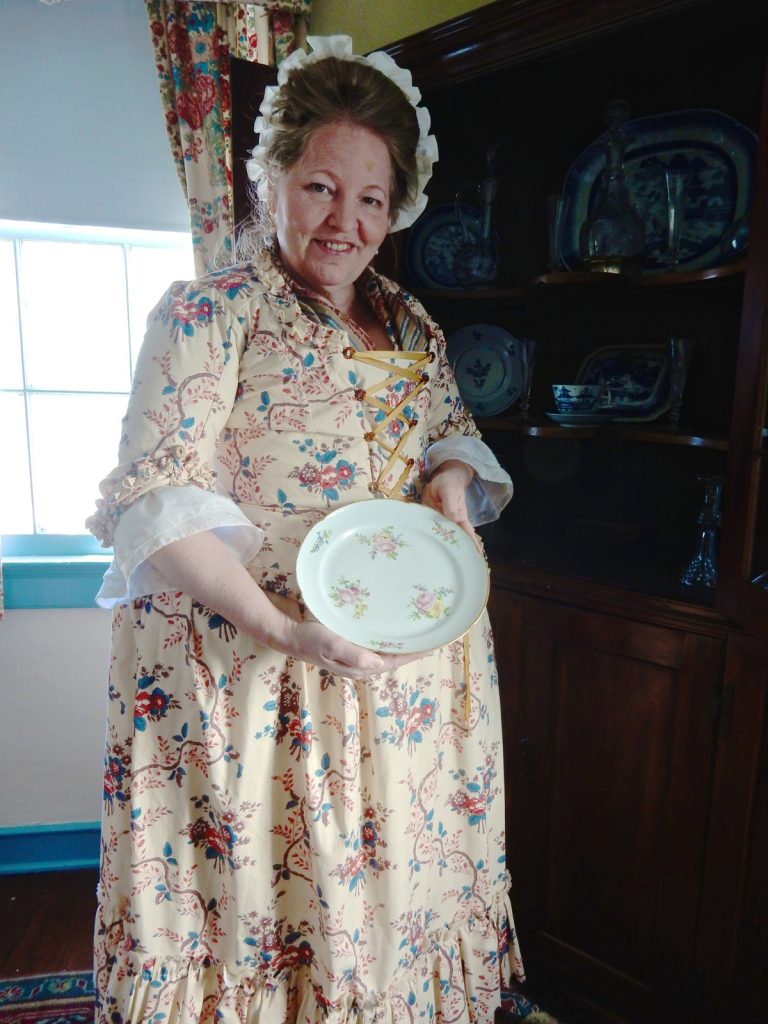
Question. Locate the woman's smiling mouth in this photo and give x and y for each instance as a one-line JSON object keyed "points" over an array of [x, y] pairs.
{"points": [[334, 247]]}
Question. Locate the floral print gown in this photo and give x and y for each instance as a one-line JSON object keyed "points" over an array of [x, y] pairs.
{"points": [[280, 844]]}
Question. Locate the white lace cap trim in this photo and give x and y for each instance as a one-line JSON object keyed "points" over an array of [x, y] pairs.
{"points": [[161, 517], [341, 48], [490, 491]]}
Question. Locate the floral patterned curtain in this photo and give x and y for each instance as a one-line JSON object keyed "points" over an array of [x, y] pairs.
{"points": [[192, 41]]}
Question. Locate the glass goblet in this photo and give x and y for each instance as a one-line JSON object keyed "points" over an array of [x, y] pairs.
{"points": [[680, 351], [527, 357]]}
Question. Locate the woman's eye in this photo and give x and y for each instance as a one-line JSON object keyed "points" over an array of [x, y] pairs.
{"points": [[372, 201], [318, 188]]}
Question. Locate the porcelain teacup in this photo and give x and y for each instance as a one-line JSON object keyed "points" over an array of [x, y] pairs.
{"points": [[581, 397]]}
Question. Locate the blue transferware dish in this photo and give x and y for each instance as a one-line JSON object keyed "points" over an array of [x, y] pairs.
{"points": [[435, 240], [637, 377], [720, 154], [487, 365]]}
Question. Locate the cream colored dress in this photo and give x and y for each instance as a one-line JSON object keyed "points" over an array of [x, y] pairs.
{"points": [[280, 844]]}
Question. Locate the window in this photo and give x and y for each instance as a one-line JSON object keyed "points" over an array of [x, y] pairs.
{"points": [[73, 304]]}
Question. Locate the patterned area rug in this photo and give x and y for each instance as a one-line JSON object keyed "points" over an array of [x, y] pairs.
{"points": [[65, 998], [68, 999]]}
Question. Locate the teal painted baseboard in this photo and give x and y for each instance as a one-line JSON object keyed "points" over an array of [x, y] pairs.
{"points": [[67, 847]]}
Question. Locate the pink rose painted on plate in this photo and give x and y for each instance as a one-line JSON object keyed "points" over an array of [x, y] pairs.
{"points": [[429, 603], [384, 542], [352, 594]]}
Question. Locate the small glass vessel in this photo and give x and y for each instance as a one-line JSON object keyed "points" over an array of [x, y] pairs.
{"points": [[702, 569], [527, 358], [612, 238]]}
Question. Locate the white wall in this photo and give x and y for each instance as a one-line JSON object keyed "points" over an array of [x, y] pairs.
{"points": [[83, 134], [53, 696], [83, 142]]}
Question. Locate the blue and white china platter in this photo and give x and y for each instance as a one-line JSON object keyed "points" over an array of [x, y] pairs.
{"points": [[392, 576], [580, 419], [719, 152], [636, 376], [433, 242], [487, 365]]}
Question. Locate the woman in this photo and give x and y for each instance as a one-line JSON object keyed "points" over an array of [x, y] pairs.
{"points": [[296, 828]]}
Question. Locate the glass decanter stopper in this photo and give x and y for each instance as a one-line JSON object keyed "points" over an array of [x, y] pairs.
{"points": [[702, 569], [612, 239]]}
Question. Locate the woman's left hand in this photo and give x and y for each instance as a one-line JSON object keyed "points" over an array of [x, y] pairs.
{"points": [[446, 492]]}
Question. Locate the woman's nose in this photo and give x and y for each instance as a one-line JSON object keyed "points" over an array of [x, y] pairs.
{"points": [[342, 214]]}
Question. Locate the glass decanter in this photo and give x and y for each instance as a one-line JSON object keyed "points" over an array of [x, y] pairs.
{"points": [[702, 569], [477, 260], [612, 238]]}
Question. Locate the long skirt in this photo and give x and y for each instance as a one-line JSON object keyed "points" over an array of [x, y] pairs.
{"points": [[280, 844]]}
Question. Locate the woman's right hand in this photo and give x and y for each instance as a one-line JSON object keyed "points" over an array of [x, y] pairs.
{"points": [[312, 642]]}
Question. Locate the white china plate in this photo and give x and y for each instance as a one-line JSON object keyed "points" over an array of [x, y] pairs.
{"points": [[488, 368], [392, 576], [580, 419]]}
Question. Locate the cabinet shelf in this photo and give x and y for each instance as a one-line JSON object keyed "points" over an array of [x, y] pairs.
{"points": [[641, 432], [569, 281]]}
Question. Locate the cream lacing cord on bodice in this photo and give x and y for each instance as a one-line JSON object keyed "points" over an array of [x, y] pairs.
{"points": [[415, 372]]}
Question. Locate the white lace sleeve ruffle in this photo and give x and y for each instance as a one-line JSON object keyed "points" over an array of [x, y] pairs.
{"points": [[161, 517], [491, 489]]}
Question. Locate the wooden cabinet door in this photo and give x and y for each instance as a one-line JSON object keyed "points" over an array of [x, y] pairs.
{"points": [[610, 744]]}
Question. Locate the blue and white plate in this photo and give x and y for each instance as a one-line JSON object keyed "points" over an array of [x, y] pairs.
{"points": [[636, 376], [435, 239], [487, 365], [720, 153]]}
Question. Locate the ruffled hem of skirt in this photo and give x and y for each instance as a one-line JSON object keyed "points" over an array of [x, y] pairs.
{"points": [[458, 975]]}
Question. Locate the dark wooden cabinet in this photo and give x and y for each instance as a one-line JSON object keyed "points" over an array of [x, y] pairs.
{"points": [[611, 740], [634, 710]]}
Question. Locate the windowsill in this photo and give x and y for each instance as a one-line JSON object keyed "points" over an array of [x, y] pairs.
{"points": [[53, 581]]}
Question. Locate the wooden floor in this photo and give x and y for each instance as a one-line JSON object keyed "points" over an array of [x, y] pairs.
{"points": [[46, 922]]}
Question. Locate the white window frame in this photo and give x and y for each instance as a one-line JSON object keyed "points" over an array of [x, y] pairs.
{"points": [[42, 570]]}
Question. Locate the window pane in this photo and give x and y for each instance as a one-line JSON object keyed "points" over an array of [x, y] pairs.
{"points": [[74, 316], [74, 441], [150, 272], [10, 348], [15, 494]]}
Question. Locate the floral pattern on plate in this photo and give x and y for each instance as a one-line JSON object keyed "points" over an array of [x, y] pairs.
{"points": [[419, 584], [350, 593], [384, 542], [429, 603]]}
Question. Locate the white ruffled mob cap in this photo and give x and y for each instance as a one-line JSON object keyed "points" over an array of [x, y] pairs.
{"points": [[341, 48]]}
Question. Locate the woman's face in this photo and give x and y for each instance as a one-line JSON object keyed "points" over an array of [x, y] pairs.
{"points": [[331, 209]]}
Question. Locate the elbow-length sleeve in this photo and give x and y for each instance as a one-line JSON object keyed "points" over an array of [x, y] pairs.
{"points": [[183, 389], [453, 434]]}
